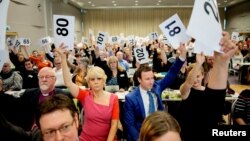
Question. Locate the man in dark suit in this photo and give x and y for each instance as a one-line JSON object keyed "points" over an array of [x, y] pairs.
{"points": [[31, 97], [26, 105], [146, 98]]}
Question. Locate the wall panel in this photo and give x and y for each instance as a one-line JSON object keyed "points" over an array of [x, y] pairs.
{"points": [[132, 21]]}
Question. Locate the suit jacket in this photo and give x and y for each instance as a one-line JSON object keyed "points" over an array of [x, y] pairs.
{"points": [[10, 132], [29, 102], [134, 112]]}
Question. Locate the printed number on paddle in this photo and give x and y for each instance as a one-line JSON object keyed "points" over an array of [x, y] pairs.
{"points": [[173, 31], [209, 8], [140, 54], [62, 29]]}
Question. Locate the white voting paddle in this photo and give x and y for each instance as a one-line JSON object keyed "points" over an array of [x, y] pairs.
{"points": [[205, 24], [141, 55], [175, 31], [64, 30]]}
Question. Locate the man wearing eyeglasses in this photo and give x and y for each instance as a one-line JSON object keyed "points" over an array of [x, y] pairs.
{"points": [[52, 127], [31, 97]]}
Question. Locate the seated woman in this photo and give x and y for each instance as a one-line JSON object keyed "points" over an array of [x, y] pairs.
{"points": [[237, 60], [160, 126], [210, 99], [117, 76], [159, 58], [58, 71], [80, 72], [12, 80], [101, 108]]}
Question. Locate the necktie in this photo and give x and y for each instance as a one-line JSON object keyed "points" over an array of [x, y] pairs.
{"points": [[151, 103]]}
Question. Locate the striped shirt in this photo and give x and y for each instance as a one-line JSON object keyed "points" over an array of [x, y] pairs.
{"points": [[242, 106]]}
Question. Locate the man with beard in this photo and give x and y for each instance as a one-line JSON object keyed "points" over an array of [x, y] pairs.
{"points": [[32, 97]]}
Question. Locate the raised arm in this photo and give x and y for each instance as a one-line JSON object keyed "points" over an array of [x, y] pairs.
{"points": [[73, 88], [173, 71], [26, 53], [218, 79], [163, 54], [186, 86]]}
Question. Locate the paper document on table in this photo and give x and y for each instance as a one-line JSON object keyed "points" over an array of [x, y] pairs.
{"points": [[121, 95], [16, 94]]}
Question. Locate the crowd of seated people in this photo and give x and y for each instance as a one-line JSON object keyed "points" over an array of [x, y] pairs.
{"points": [[60, 71]]}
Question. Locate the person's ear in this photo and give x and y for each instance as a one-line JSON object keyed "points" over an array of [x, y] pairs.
{"points": [[139, 80], [76, 119]]}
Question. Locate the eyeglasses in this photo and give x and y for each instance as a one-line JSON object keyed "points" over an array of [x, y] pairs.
{"points": [[46, 77], [63, 130]]}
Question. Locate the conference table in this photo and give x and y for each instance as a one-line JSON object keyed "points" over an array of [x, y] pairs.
{"points": [[174, 95], [170, 96]]}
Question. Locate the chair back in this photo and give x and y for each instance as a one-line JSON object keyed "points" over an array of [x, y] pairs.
{"points": [[231, 122]]}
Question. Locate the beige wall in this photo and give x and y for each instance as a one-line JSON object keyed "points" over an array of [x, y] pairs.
{"points": [[130, 21], [25, 18], [238, 18], [139, 22], [61, 8]]}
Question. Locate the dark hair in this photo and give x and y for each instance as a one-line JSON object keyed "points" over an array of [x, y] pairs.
{"points": [[157, 124], [27, 60], [143, 68], [192, 40], [53, 103]]}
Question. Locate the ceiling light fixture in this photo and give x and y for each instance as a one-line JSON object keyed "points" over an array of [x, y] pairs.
{"points": [[113, 1], [89, 2], [93, 5]]}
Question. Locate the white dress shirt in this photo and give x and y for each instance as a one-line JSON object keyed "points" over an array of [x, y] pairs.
{"points": [[145, 99]]}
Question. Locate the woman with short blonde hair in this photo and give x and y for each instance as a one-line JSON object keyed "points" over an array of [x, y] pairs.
{"points": [[101, 108], [96, 72]]}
